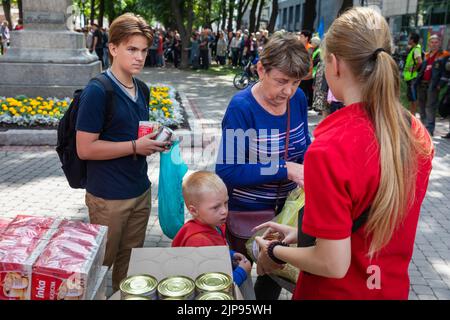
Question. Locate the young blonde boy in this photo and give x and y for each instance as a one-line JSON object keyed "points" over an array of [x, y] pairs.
{"points": [[206, 198]]}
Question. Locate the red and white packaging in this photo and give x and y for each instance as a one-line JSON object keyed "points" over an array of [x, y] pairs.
{"points": [[61, 273], [26, 231], [32, 227], [68, 266], [17, 256], [80, 232], [48, 259], [4, 222], [147, 127], [42, 222]]}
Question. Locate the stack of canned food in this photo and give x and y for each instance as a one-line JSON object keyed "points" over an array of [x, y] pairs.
{"points": [[207, 286]]}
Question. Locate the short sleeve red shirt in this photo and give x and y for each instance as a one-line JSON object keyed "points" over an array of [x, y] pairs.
{"points": [[342, 175]]}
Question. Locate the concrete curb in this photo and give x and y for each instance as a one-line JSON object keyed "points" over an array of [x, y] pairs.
{"points": [[42, 137]]}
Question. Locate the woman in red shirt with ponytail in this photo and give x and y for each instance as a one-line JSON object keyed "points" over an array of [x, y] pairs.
{"points": [[371, 156]]}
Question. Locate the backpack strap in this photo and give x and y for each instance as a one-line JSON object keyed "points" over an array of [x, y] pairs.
{"points": [[109, 111], [144, 89]]}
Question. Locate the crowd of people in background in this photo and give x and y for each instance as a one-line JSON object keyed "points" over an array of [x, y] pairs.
{"points": [[425, 73], [206, 47]]}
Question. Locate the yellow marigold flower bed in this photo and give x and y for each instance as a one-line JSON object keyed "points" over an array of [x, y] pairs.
{"points": [[39, 111]]}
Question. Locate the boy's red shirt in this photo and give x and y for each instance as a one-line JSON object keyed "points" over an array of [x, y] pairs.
{"points": [[196, 234]]}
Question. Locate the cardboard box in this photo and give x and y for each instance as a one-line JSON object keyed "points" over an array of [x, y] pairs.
{"points": [[184, 261]]}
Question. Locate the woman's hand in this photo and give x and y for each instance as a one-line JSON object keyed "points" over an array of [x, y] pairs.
{"points": [[265, 264], [296, 173], [146, 145], [286, 233]]}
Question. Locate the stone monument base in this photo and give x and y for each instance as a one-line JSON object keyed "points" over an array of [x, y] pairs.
{"points": [[46, 58], [45, 79]]}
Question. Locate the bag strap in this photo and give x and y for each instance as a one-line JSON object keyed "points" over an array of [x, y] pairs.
{"points": [[361, 220], [109, 111], [286, 149], [305, 240], [144, 89]]}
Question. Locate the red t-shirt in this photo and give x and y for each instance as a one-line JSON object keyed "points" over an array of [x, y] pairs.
{"points": [[342, 174], [429, 68]]}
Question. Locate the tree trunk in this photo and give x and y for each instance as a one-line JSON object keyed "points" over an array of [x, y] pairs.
{"points": [[7, 10], [309, 15], [273, 16], [92, 17], [258, 21], [230, 15], [20, 6], [223, 6], [345, 5], [208, 14], [185, 30], [242, 7], [110, 11], [253, 16], [101, 13]]}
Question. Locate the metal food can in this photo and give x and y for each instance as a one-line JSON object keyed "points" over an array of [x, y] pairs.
{"points": [[136, 298], [215, 296], [177, 287], [142, 285], [164, 134], [214, 282], [147, 127]]}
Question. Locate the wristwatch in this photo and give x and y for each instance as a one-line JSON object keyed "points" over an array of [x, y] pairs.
{"points": [[270, 248]]}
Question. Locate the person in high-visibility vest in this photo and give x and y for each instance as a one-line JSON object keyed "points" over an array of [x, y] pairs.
{"points": [[412, 65], [315, 42]]}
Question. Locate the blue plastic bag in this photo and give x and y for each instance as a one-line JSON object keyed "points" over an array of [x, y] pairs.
{"points": [[170, 198]]}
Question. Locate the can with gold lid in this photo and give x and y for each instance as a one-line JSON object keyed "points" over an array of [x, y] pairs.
{"points": [[136, 298], [139, 285], [215, 296], [214, 282], [177, 287]]}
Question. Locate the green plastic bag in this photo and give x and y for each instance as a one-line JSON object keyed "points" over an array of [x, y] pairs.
{"points": [[170, 196], [288, 216]]}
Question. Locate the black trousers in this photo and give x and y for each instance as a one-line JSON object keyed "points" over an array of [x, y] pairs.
{"points": [[204, 59], [307, 87], [176, 58]]}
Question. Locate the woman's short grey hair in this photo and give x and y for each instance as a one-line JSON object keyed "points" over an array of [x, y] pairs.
{"points": [[287, 54], [315, 41]]}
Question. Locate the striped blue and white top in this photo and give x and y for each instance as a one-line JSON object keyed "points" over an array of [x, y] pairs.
{"points": [[251, 156]]}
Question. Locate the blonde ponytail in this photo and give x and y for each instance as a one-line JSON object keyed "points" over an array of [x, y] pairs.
{"points": [[354, 37]]}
